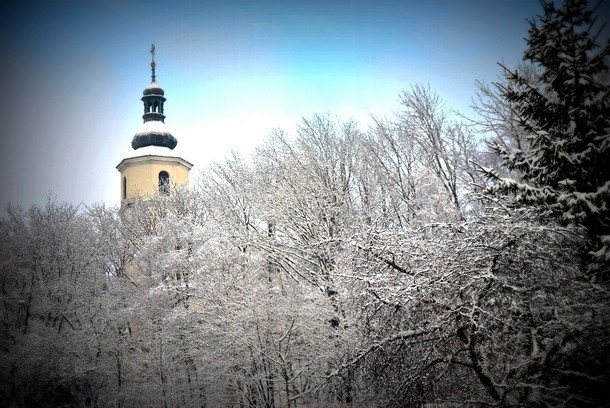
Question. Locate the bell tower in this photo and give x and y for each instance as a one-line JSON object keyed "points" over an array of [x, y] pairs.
{"points": [[154, 172]]}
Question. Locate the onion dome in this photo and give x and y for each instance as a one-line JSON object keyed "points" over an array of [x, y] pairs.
{"points": [[154, 89], [153, 132]]}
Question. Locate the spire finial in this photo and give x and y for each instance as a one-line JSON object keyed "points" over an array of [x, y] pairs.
{"points": [[152, 63]]}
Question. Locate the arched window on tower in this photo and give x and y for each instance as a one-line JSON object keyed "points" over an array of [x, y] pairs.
{"points": [[124, 188], [163, 183]]}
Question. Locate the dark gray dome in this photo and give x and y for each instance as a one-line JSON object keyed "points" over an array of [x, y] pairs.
{"points": [[153, 133], [154, 89]]}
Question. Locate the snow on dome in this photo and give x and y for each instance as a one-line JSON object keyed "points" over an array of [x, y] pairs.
{"points": [[154, 89], [153, 133], [156, 151], [153, 126]]}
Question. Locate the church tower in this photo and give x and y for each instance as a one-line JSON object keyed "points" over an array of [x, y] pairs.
{"points": [[154, 172]]}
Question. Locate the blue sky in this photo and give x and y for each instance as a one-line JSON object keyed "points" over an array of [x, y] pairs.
{"points": [[73, 74]]}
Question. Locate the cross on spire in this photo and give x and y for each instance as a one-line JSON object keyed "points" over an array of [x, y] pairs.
{"points": [[152, 63]]}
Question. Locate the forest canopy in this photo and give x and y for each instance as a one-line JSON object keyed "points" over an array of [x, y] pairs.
{"points": [[429, 259]]}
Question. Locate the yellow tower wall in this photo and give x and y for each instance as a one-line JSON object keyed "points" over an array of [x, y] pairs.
{"points": [[142, 175]]}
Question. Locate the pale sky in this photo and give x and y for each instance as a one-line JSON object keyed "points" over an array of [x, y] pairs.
{"points": [[73, 73]]}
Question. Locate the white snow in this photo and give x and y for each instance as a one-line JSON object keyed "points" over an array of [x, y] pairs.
{"points": [[153, 126]]}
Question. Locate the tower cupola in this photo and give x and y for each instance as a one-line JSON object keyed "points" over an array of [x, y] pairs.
{"points": [[153, 172], [153, 131]]}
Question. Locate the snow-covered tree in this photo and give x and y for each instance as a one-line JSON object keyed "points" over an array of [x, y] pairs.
{"points": [[496, 120], [491, 312], [52, 278], [445, 146], [564, 114], [307, 195]]}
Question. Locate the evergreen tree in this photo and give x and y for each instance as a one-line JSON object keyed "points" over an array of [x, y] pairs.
{"points": [[564, 112]]}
